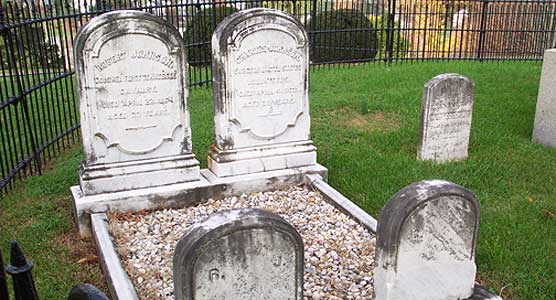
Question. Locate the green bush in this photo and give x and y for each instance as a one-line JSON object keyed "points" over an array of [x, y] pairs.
{"points": [[31, 46], [199, 33], [400, 46], [358, 44]]}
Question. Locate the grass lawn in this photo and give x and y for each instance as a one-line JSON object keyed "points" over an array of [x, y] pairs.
{"points": [[365, 125]]}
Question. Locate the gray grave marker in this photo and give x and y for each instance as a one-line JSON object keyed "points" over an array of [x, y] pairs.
{"points": [[426, 239], [545, 117], [131, 77], [244, 254], [261, 77], [446, 118]]}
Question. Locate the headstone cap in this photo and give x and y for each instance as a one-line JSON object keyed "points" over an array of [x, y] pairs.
{"points": [[224, 29], [117, 16], [442, 77], [396, 211]]}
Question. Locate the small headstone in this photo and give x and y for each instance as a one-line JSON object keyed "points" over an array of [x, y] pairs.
{"points": [[446, 118], [426, 239], [244, 254], [260, 73], [545, 117], [131, 77]]}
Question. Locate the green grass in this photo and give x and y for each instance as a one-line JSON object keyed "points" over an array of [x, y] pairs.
{"points": [[365, 124]]}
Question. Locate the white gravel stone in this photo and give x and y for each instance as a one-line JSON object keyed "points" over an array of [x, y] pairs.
{"points": [[339, 253]]}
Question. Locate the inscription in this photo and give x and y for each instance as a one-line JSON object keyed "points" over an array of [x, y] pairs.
{"points": [[269, 90], [164, 60], [135, 77], [264, 49]]}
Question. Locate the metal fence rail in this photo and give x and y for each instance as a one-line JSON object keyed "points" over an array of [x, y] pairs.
{"points": [[38, 103]]}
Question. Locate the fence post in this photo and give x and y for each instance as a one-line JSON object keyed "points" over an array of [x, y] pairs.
{"points": [[313, 21], [390, 30], [20, 269], [21, 90], [482, 31], [4, 295]]}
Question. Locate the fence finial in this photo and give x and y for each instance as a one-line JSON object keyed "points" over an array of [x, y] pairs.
{"points": [[3, 283], [20, 269]]}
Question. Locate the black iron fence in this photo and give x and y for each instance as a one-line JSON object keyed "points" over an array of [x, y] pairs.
{"points": [[20, 269], [38, 103]]}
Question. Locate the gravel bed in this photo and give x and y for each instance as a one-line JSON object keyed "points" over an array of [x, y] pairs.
{"points": [[339, 253]]}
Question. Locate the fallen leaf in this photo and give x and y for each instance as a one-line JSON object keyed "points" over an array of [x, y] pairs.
{"points": [[530, 200], [88, 259], [548, 213]]}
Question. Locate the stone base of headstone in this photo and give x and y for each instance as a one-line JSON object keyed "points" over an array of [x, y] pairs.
{"points": [[482, 293], [235, 162], [185, 194], [122, 176]]}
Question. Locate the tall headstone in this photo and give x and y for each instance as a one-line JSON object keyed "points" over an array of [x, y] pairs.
{"points": [[243, 254], [545, 117], [260, 72], [426, 239], [131, 77], [446, 118]]}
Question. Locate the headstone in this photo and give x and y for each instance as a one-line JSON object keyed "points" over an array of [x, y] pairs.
{"points": [[260, 73], [545, 117], [244, 254], [426, 239], [446, 118], [131, 77]]}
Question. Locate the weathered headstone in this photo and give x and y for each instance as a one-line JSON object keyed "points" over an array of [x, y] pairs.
{"points": [[131, 77], [243, 254], [545, 117], [426, 239], [260, 72], [446, 118]]}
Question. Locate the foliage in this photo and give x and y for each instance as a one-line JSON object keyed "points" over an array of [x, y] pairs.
{"points": [[31, 48], [400, 45], [450, 29], [340, 43], [199, 32], [292, 7]]}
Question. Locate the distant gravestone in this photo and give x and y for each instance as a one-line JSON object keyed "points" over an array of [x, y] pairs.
{"points": [[260, 73], [244, 254], [446, 118], [131, 77], [426, 239], [545, 117]]}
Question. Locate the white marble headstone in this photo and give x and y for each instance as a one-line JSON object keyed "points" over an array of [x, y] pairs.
{"points": [[131, 77], [446, 118], [244, 254], [545, 117], [260, 74], [426, 239]]}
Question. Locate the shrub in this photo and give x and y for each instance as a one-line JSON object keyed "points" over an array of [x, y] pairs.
{"points": [[357, 44], [199, 32], [400, 46]]}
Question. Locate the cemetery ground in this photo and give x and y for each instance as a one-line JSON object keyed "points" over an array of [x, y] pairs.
{"points": [[365, 123]]}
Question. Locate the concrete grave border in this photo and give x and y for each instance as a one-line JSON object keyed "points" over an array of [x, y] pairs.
{"points": [[121, 286]]}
